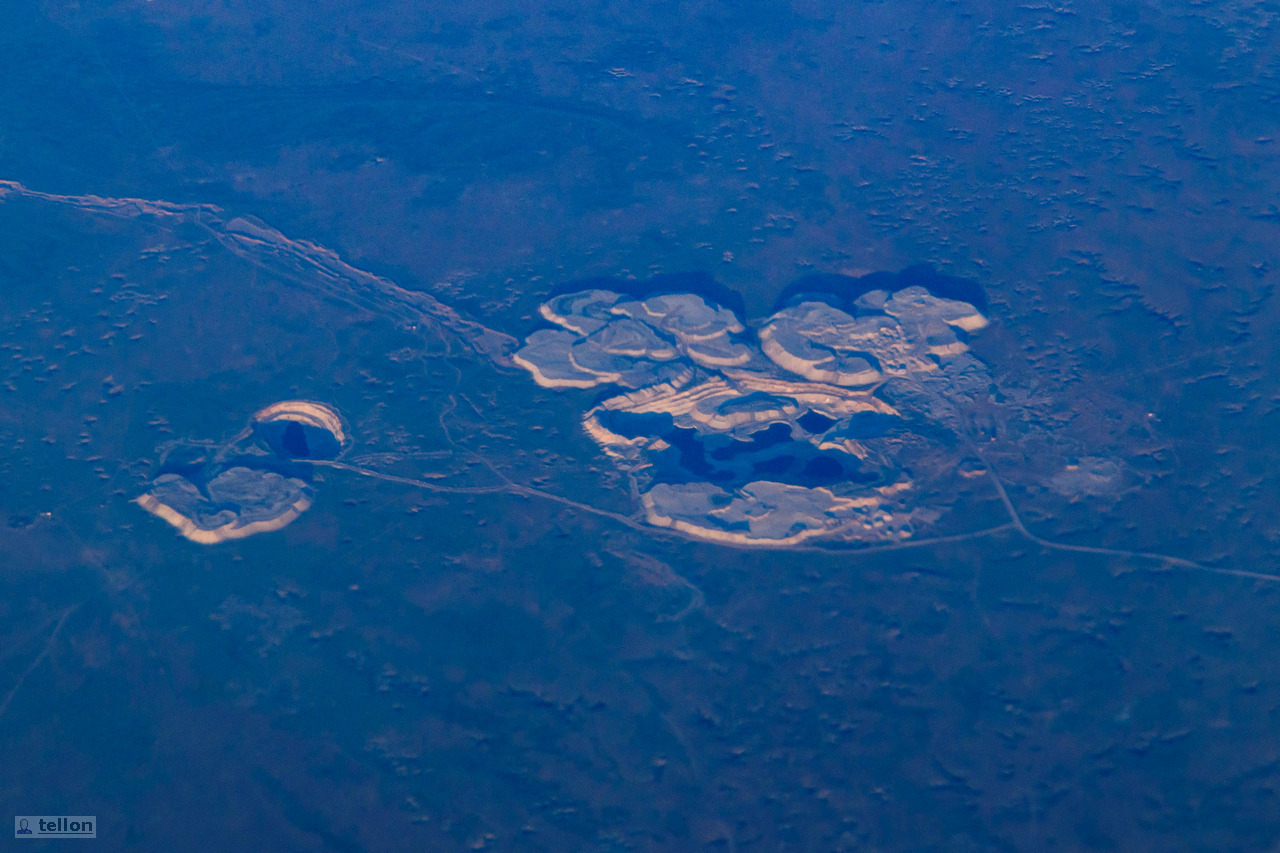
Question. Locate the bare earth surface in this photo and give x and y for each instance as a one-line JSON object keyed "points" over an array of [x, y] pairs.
{"points": [[468, 626]]}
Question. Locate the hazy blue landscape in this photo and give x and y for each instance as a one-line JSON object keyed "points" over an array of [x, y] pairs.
{"points": [[641, 427]]}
